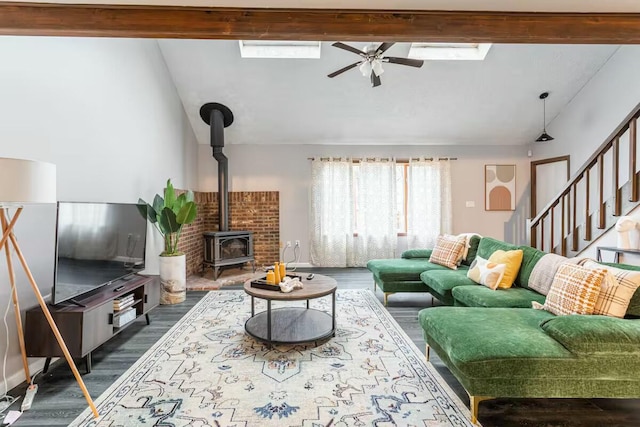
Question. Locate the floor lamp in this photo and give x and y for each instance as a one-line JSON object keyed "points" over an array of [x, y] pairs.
{"points": [[24, 182]]}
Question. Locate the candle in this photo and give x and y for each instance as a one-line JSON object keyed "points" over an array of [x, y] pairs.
{"points": [[283, 271], [271, 277], [276, 271]]}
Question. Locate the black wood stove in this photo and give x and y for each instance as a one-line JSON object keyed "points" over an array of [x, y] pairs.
{"points": [[223, 248]]}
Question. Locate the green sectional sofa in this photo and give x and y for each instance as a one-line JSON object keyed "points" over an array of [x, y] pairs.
{"points": [[498, 346], [404, 274]]}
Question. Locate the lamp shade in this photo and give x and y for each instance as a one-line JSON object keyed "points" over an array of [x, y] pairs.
{"points": [[26, 181]]}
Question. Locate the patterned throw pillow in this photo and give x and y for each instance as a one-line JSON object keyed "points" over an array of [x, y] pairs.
{"points": [[543, 272], [575, 290], [513, 260], [486, 273], [448, 251], [616, 291]]}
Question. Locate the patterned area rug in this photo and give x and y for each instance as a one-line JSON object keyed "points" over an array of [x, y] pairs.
{"points": [[207, 372]]}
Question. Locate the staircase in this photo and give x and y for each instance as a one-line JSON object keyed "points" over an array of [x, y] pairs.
{"points": [[605, 188]]}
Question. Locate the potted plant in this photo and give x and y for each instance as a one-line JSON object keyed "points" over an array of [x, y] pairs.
{"points": [[168, 215]]}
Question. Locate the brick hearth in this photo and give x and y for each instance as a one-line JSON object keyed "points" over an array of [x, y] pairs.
{"points": [[256, 211]]}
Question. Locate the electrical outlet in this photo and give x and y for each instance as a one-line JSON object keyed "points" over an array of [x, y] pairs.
{"points": [[288, 243], [297, 243]]}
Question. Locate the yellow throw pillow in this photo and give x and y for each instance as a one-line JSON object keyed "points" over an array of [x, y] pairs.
{"points": [[575, 290], [486, 273], [513, 260]]}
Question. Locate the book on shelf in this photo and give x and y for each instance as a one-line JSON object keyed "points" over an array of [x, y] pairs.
{"points": [[123, 298], [120, 304]]}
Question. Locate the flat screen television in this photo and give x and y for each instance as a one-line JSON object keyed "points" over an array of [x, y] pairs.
{"points": [[96, 244]]}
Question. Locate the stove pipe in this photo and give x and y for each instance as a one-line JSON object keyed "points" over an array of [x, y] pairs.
{"points": [[218, 117]]}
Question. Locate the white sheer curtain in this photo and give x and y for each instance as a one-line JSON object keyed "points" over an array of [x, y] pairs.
{"points": [[429, 202], [332, 217], [376, 216]]}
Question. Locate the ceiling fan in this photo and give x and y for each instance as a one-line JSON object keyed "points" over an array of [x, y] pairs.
{"points": [[372, 59]]}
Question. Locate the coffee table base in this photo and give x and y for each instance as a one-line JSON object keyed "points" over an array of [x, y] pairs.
{"points": [[291, 325]]}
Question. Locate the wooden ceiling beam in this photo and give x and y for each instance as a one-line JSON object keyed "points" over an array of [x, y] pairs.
{"points": [[46, 19]]}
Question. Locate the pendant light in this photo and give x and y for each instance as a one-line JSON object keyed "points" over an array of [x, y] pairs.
{"points": [[544, 137]]}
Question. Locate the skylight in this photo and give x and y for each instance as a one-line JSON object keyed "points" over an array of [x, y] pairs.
{"points": [[449, 51], [279, 49]]}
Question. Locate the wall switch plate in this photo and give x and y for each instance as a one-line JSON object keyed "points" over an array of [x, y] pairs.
{"points": [[288, 243], [470, 204], [297, 243]]}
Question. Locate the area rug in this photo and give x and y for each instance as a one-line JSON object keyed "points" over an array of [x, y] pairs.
{"points": [[206, 371]]}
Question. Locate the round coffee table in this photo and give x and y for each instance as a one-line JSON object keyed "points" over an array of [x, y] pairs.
{"points": [[293, 325]]}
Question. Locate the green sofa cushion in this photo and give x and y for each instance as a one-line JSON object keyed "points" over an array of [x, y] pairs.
{"points": [[595, 335], [479, 340], [474, 241], [442, 281], [481, 296], [530, 258], [417, 253], [489, 245], [401, 269]]}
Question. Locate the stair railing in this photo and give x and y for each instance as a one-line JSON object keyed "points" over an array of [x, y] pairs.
{"points": [[588, 204]]}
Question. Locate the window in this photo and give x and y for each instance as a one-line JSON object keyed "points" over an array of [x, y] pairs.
{"points": [[358, 209], [401, 189]]}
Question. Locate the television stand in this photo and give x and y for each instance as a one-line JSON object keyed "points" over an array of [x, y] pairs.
{"points": [[91, 321], [76, 302]]}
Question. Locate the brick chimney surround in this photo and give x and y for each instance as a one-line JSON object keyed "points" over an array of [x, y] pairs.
{"points": [[255, 211]]}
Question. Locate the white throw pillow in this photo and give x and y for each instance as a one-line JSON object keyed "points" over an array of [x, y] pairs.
{"points": [[487, 273]]}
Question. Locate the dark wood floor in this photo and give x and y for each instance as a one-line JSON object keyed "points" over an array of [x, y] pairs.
{"points": [[59, 400]]}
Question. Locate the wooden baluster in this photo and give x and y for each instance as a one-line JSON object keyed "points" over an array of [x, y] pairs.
{"points": [[564, 217], [534, 235], [552, 231], [587, 217], [601, 207], [574, 221], [617, 206], [632, 160], [542, 232]]}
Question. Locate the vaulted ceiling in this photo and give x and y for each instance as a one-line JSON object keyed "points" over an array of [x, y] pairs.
{"points": [[292, 101]]}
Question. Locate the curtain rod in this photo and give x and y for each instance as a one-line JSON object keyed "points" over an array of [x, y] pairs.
{"points": [[397, 160]]}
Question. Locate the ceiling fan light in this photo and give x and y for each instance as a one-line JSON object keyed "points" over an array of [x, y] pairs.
{"points": [[377, 67], [365, 68]]}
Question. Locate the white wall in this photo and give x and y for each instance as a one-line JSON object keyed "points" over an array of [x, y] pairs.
{"points": [[593, 114], [106, 112], [286, 169], [595, 111]]}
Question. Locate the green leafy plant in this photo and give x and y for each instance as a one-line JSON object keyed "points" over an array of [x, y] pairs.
{"points": [[169, 214]]}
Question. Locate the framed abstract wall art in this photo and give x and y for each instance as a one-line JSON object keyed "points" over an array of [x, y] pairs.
{"points": [[500, 187]]}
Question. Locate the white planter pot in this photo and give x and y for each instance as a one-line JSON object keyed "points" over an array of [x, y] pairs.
{"points": [[173, 279]]}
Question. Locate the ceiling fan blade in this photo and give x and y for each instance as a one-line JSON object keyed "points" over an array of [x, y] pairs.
{"points": [[404, 61], [349, 48], [342, 70], [384, 47], [375, 80]]}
